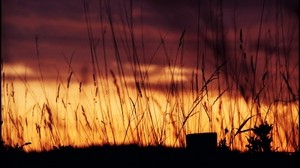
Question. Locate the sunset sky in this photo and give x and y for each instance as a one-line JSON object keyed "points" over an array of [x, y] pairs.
{"points": [[165, 41], [62, 32]]}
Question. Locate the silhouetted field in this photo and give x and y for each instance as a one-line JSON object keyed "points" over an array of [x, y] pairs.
{"points": [[240, 82], [134, 156]]}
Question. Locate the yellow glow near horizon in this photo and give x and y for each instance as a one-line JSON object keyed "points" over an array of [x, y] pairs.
{"points": [[83, 115], [18, 69]]}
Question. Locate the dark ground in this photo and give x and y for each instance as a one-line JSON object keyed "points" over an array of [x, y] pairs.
{"points": [[134, 156]]}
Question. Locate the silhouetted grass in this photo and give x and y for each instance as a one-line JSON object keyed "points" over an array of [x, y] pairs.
{"points": [[136, 156], [121, 108]]}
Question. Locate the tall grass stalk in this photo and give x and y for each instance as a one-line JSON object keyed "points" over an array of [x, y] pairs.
{"points": [[126, 103]]}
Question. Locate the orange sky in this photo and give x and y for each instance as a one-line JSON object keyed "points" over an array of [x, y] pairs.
{"points": [[178, 37]]}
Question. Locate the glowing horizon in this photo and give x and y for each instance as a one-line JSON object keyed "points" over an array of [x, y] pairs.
{"points": [[73, 114], [96, 72]]}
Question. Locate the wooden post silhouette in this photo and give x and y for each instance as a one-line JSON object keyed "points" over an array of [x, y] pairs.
{"points": [[203, 143]]}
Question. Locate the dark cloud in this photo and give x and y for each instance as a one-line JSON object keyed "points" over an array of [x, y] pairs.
{"points": [[211, 31], [71, 9]]}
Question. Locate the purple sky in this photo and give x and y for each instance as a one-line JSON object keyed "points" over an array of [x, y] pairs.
{"points": [[62, 32]]}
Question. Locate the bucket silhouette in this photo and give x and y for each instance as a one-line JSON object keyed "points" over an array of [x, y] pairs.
{"points": [[204, 143]]}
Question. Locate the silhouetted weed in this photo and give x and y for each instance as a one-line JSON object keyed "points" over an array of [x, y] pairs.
{"points": [[262, 138], [18, 147]]}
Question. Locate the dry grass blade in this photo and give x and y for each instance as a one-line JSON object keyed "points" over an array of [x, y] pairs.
{"points": [[239, 130]]}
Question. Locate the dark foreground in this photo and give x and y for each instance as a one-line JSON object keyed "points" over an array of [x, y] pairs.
{"points": [[134, 156]]}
